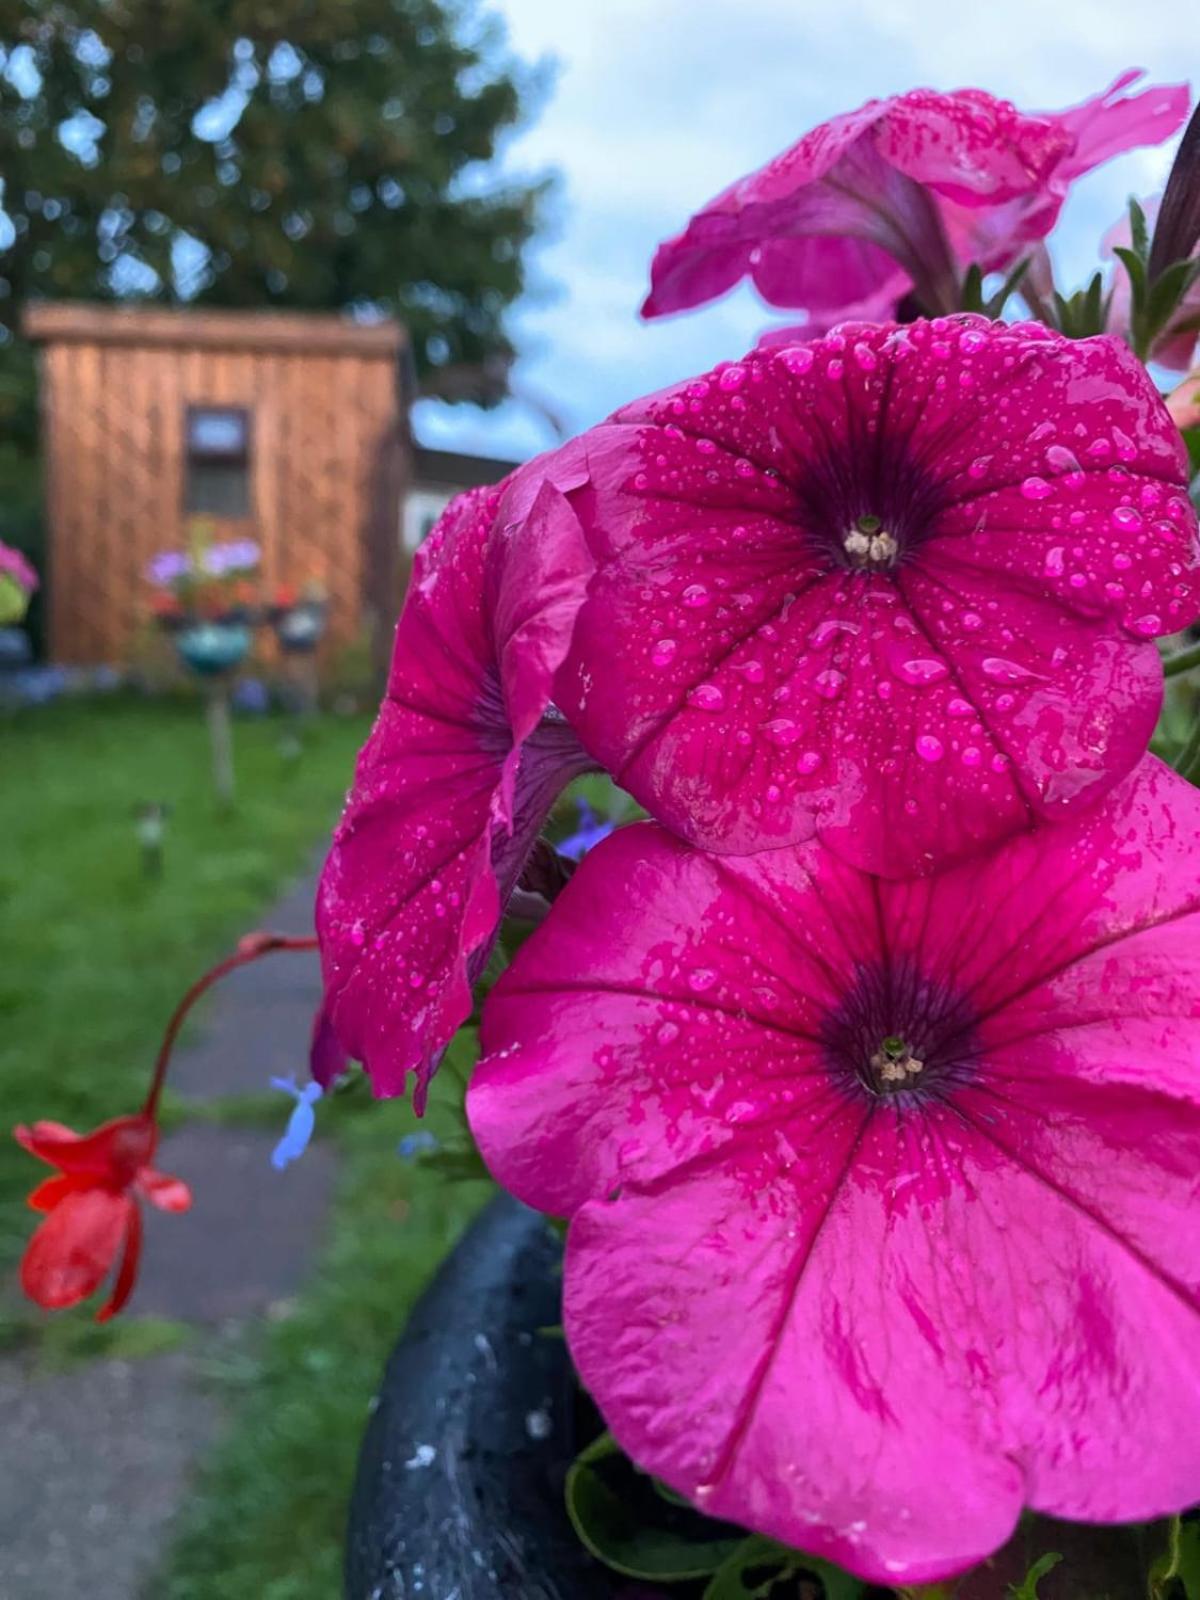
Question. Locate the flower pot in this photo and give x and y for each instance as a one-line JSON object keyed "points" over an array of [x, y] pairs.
{"points": [[459, 1489], [299, 628], [211, 648]]}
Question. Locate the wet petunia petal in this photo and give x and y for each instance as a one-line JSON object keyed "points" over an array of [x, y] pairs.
{"points": [[464, 762], [900, 195], [897, 587], [868, 1173]]}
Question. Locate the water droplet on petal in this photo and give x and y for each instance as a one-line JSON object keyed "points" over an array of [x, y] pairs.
{"points": [[695, 596], [921, 673], [1149, 626], [782, 732], [666, 1033], [829, 684], [1002, 671], [827, 631], [1126, 517], [663, 652], [797, 358], [808, 762], [707, 697], [732, 378], [1035, 488], [1060, 459], [929, 747], [701, 979]]}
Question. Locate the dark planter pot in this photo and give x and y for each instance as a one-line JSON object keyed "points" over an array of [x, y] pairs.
{"points": [[299, 629], [459, 1493]]}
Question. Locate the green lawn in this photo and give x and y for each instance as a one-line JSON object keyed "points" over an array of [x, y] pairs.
{"points": [[96, 953], [95, 956]]}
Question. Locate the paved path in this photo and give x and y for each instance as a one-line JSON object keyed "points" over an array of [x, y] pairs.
{"points": [[95, 1461]]}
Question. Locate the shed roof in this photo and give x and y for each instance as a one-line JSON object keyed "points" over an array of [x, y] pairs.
{"points": [[457, 469], [306, 333]]}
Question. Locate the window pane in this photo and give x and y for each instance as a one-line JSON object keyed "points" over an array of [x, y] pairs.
{"points": [[220, 488], [217, 433]]}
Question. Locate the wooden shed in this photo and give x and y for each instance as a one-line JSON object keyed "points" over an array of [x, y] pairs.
{"points": [[288, 429]]}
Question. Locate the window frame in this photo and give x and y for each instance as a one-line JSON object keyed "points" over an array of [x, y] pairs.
{"points": [[242, 457]]}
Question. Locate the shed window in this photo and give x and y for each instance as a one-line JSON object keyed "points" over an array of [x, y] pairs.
{"points": [[218, 461]]}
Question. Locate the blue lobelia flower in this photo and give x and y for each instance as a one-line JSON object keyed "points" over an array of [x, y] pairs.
{"points": [[300, 1124], [591, 828]]}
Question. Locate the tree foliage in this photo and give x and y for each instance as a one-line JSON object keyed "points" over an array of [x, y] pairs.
{"points": [[312, 154]]}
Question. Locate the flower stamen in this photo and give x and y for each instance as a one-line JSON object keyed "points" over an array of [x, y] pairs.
{"points": [[893, 1066], [869, 544]]}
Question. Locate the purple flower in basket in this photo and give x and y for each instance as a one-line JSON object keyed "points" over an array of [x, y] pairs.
{"points": [[236, 555], [168, 567]]}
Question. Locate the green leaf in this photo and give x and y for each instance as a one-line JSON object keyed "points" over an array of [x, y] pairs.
{"points": [[1139, 230], [1177, 1571], [994, 306], [632, 1529], [1028, 1588], [758, 1566], [972, 289], [1094, 304], [1136, 268], [1167, 291]]}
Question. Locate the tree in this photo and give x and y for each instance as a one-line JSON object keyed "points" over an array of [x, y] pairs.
{"points": [[302, 153], [311, 154]]}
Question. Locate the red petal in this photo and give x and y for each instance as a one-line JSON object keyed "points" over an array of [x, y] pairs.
{"points": [[164, 1191], [41, 1137], [127, 1276], [68, 1256], [116, 1149], [53, 1191]]}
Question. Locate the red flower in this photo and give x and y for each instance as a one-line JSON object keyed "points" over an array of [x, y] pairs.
{"points": [[92, 1209]]}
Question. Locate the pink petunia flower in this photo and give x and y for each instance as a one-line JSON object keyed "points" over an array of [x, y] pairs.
{"points": [[464, 761], [902, 195], [897, 587], [884, 1196]]}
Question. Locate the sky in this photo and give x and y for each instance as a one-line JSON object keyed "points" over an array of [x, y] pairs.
{"points": [[657, 105]]}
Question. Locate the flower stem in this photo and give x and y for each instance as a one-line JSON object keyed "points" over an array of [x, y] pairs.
{"points": [[249, 949], [1183, 661]]}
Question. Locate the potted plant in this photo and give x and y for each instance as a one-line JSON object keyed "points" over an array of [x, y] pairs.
{"points": [[204, 598], [862, 1074], [299, 617]]}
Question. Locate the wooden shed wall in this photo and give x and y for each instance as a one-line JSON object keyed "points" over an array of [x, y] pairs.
{"points": [[323, 423]]}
